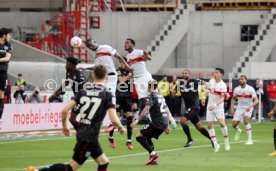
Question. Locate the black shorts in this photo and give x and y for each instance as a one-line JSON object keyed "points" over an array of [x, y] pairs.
{"points": [[123, 104], [193, 115], [149, 131], [83, 150], [3, 79]]}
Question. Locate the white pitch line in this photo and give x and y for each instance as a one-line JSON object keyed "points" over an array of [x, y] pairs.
{"points": [[60, 138], [132, 155]]}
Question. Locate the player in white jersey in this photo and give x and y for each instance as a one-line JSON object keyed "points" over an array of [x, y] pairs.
{"points": [[136, 59], [215, 108], [103, 56], [247, 99]]}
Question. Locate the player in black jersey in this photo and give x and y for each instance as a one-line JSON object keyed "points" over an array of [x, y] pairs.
{"points": [[5, 56], [123, 103], [189, 93], [270, 114], [93, 105], [74, 77], [157, 108]]}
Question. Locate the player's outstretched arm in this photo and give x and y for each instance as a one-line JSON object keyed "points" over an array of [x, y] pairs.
{"points": [[146, 56], [143, 114], [272, 112], [87, 68], [6, 58], [121, 59], [58, 91], [170, 118], [65, 111], [115, 120]]}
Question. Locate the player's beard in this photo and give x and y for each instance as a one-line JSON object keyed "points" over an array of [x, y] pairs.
{"points": [[186, 78], [242, 84]]}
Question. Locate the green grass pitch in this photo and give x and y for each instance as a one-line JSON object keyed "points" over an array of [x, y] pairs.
{"points": [[17, 154]]}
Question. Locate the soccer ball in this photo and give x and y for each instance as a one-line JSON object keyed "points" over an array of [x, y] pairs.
{"points": [[76, 41]]}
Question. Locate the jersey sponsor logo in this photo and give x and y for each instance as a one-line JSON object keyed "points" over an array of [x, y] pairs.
{"points": [[135, 60], [6, 47], [3, 51]]}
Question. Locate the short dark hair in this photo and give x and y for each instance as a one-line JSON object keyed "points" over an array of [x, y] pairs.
{"points": [[19, 75], [73, 60], [6, 30], [100, 72], [244, 76], [220, 70], [153, 84], [131, 40], [2, 33]]}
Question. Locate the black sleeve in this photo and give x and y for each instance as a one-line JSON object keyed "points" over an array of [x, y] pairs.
{"points": [[150, 100], [10, 49], [195, 82], [67, 75], [111, 101], [77, 97], [80, 78], [181, 86]]}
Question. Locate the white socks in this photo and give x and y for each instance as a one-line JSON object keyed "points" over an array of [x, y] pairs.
{"points": [[249, 131], [213, 137], [224, 131]]}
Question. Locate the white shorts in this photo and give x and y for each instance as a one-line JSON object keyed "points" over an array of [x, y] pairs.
{"points": [[111, 84], [241, 113], [141, 84], [214, 115]]}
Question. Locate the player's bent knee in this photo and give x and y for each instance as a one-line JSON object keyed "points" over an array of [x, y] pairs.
{"points": [[75, 165], [139, 138], [198, 126], [234, 124], [128, 114], [246, 120], [183, 121], [210, 125], [102, 159]]}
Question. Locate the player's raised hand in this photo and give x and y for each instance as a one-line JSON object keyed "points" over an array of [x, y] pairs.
{"points": [[134, 123], [66, 131], [212, 107], [173, 124], [121, 130], [270, 114], [167, 130]]}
